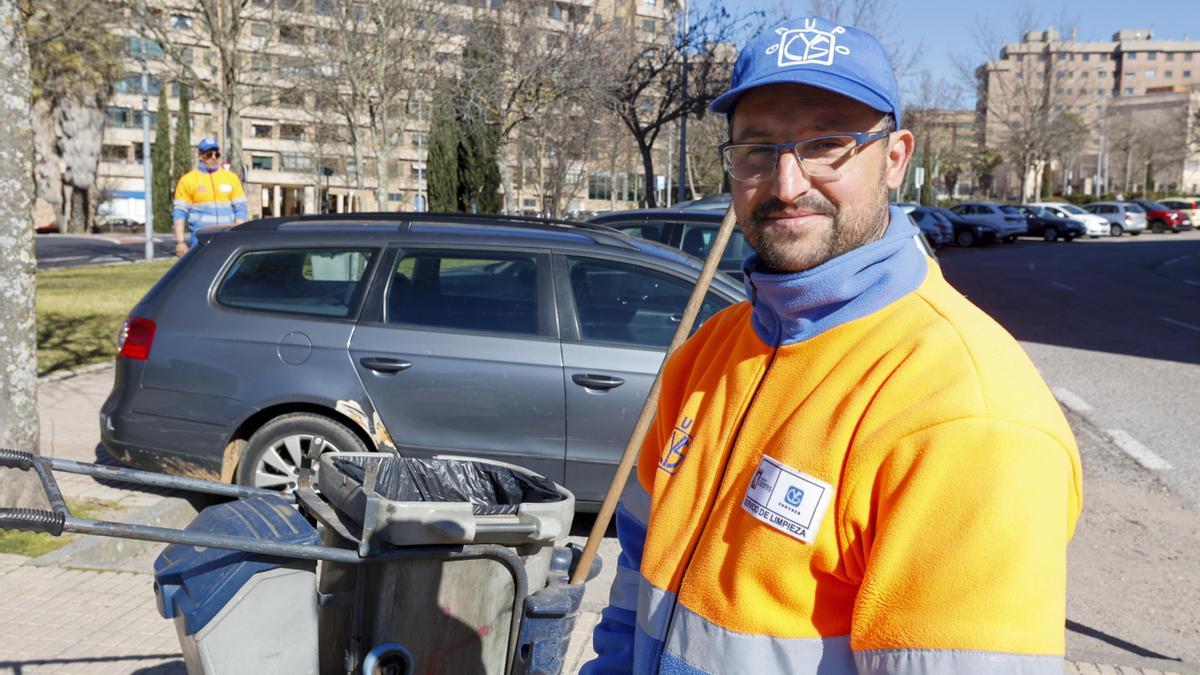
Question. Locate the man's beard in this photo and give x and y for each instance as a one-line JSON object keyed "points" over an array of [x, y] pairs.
{"points": [[782, 251]]}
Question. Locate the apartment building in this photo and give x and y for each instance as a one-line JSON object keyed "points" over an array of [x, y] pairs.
{"points": [[1088, 79], [296, 164]]}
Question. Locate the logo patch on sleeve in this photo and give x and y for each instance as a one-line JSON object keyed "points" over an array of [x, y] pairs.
{"points": [[788, 500]]}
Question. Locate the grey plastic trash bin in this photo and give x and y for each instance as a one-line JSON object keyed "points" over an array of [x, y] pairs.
{"points": [[240, 612], [454, 616]]}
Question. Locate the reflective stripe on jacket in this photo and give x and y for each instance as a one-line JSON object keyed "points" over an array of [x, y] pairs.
{"points": [[203, 199], [953, 486]]}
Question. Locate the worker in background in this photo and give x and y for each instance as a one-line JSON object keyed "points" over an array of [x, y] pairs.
{"points": [[205, 196], [857, 471]]}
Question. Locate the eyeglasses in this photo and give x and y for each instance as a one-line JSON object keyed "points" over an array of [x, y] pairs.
{"points": [[818, 156], [210, 154]]}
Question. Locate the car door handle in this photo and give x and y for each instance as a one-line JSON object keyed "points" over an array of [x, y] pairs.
{"points": [[384, 365], [591, 381]]}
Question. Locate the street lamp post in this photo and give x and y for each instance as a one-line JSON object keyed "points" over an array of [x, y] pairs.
{"points": [[146, 169]]}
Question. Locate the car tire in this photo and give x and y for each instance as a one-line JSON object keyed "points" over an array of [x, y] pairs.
{"points": [[1116, 231], [272, 456], [1158, 226], [1050, 234], [1135, 233], [965, 238], [1069, 237], [1011, 239]]}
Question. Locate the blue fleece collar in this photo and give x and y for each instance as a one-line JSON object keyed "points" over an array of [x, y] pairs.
{"points": [[204, 168], [790, 308]]}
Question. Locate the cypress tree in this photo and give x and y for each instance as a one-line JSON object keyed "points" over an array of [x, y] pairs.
{"points": [[441, 167], [1047, 191], [161, 184], [927, 196], [479, 174], [1149, 187], [184, 154]]}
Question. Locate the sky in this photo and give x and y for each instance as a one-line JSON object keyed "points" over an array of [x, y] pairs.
{"points": [[938, 31]]}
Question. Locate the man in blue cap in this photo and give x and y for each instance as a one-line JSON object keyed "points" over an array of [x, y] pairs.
{"points": [[206, 196], [857, 471]]}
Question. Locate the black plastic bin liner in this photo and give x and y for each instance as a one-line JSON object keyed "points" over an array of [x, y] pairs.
{"points": [[492, 490]]}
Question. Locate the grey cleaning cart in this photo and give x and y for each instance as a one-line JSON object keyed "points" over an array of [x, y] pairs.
{"points": [[385, 565]]}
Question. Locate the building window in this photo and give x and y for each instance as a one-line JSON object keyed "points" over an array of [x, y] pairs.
{"points": [[261, 130], [291, 35], [555, 10], [114, 153], [1130, 73], [599, 186], [1187, 73], [1102, 74], [291, 132], [1169, 73], [395, 197], [1131, 56], [295, 161], [1058, 108], [260, 30], [1086, 57], [1061, 74], [417, 173], [649, 25], [418, 139], [181, 21], [1128, 90], [261, 162], [260, 63], [292, 99], [1150, 73], [1170, 56], [132, 84], [1020, 76], [1084, 74], [1100, 92], [325, 7], [1187, 56], [260, 96], [1152, 55]]}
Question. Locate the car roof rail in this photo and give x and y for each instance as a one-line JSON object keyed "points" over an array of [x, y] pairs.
{"points": [[405, 219]]}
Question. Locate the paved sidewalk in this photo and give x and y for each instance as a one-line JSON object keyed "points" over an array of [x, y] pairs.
{"points": [[69, 621]]}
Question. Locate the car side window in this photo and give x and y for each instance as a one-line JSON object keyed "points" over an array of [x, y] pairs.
{"points": [[472, 291], [961, 209], [629, 304], [321, 282], [698, 241], [658, 232]]}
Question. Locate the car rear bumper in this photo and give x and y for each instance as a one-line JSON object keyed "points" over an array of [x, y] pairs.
{"points": [[196, 450]]}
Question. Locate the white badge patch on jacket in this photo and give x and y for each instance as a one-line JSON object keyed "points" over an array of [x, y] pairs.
{"points": [[788, 500], [226, 187]]}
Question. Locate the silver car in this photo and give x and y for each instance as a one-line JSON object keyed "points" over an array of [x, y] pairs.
{"points": [[1122, 216], [1008, 221], [527, 341]]}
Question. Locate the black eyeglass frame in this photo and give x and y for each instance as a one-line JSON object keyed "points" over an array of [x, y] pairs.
{"points": [[861, 138], [216, 154]]}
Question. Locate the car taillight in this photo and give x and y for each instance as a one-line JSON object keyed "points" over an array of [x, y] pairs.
{"points": [[1129, 217], [137, 335]]}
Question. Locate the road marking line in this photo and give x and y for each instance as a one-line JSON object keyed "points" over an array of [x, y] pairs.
{"points": [[1062, 285], [1140, 453], [1189, 281], [1069, 399], [1180, 323]]}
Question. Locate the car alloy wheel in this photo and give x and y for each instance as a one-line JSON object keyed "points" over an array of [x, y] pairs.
{"points": [[1117, 231], [965, 238], [274, 453], [1050, 234]]}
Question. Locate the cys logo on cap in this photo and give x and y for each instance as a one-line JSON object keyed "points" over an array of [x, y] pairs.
{"points": [[808, 45]]}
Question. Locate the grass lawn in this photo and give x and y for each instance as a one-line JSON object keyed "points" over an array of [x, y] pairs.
{"points": [[80, 311], [33, 544]]}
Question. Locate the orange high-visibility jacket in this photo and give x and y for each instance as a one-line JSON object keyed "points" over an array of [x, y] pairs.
{"points": [[856, 472]]}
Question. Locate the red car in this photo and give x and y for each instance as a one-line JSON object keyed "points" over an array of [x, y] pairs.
{"points": [[1162, 219]]}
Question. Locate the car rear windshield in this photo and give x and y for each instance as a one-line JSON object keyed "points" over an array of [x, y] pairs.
{"points": [[317, 281], [1012, 210], [1134, 208], [1071, 208], [1155, 206]]}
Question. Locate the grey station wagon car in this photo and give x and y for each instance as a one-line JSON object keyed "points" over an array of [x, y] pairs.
{"points": [[527, 341]]}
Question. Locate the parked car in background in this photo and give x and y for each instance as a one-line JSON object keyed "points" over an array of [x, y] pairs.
{"points": [[716, 202], [1041, 223], [1008, 221], [1189, 206], [1097, 226], [936, 228], [968, 233], [1122, 217], [528, 341], [907, 207], [1162, 218], [689, 230]]}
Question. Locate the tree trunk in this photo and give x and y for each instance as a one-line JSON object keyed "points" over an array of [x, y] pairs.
{"points": [[648, 166], [18, 337]]}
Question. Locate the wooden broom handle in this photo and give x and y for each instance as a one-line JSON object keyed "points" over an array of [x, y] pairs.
{"points": [[648, 410]]}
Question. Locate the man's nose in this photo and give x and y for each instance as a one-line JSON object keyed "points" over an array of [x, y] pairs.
{"points": [[789, 181]]}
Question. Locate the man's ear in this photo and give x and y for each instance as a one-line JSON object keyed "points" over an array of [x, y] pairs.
{"points": [[899, 152]]}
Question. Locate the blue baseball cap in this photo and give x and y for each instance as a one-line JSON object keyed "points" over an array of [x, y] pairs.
{"points": [[818, 53], [207, 144]]}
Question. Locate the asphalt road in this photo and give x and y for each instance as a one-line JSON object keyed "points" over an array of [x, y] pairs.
{"points": [[1114, 327], [72, 250]]}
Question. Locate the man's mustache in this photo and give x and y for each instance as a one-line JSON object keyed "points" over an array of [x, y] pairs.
{"points": [[807, 203]]}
